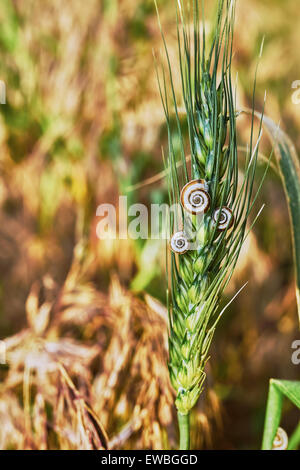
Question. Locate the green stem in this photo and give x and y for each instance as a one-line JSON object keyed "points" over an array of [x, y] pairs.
{"points": [[184, 431]]}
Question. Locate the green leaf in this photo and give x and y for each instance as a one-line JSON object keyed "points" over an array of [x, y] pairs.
{"points": [[290, 389], [273, 415], [277, 390], [289, 169]]}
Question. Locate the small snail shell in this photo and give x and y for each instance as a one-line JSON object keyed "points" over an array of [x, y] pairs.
{"points": [[179, 243], [194, 197], [226, 218], [281, 440]]}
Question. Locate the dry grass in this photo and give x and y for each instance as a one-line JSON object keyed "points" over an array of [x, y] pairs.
{"points": [[88, 364]]}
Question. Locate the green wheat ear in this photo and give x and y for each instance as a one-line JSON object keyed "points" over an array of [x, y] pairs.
{"points": [[199, 276]]}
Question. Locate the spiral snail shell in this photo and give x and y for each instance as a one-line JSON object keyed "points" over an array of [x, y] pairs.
{"points": [[225, 219], [281, 440], [194, 197], [179, 243]]}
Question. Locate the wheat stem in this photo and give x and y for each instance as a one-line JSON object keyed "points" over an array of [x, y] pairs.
{"points": [[184, 431]]}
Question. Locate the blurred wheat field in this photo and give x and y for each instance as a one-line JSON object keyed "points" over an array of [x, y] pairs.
{"points": [[84, 320]]}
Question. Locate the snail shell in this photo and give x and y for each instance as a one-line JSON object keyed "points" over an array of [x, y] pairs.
{"points": [[226, 218], [179, 243], [281, 440], [194, 197]]}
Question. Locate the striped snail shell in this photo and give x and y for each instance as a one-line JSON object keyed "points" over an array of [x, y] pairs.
{"points": [[194, 197], [226, 218], [281, 440], [179, 243]]}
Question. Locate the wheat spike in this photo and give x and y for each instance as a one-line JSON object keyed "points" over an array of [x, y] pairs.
{"points": [[199, 275]]}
